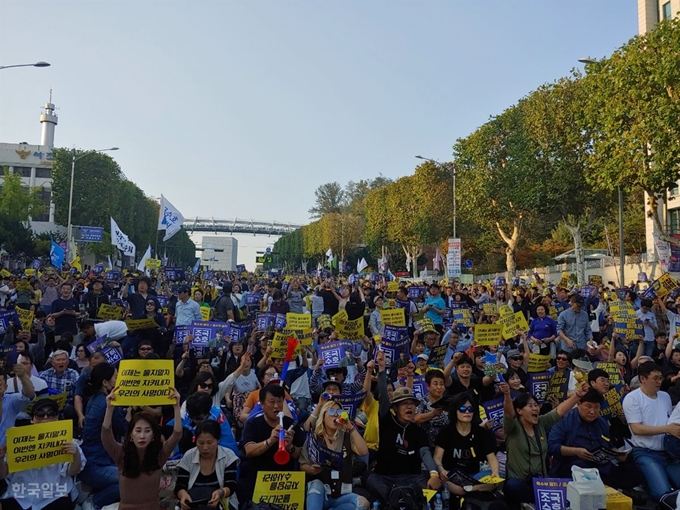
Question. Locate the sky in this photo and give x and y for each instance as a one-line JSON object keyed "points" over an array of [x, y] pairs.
{"points": [[241, 109]]}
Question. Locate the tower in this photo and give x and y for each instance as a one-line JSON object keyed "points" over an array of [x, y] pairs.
{"points": [[49, 121]]}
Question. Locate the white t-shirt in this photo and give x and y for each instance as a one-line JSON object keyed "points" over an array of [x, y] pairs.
{"points": [[246, 383], [114, 330], [675, 415], [39, 385], [654, 412]]}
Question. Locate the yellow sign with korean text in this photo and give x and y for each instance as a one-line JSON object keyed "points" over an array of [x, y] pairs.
{"points": [[513, 324], [324, 321], [283, 488], [205, 313], [153, 263], [279, 345], [298, 320], [110, 312], [25, 318], [395, 317], [34, 446], [504, 310], [59, 398], [347, 329], [145, 383], [538, 362], [488, 334], [664, 285], [392, 286], [304, 335], [137, 324], [29, 272], [491, 309]]}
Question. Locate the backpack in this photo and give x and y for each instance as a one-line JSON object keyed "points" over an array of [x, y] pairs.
{"points": [[406, 497]]}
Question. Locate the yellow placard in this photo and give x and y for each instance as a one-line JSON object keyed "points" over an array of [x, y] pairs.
{"points": [[491, 309], [22, 285], [513, 324], [34, 446], [488, 334], [59, 398], [205, 313], [279, 345], [323, 322], [429, 494], [145, 383], [564, 281], [25, 318], [538, 362], [304, 335], [392, 286], [29, 272], [347, 329], [5, 273], [137, 324], [491, 479], [284, 488], [504, 310], [395, 317], [153, 263], [110, 312], [298, 320], [664, 285]]}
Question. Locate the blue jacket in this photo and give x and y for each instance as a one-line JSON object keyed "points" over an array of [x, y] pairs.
{"points": [[227, 438]]}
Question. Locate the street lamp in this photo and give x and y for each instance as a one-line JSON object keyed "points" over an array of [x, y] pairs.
{"points": [[75, 158], [441, 165], [622, 256], [37, 64]]}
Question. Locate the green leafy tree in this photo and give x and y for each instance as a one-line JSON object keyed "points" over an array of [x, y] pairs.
{"points": [[18, 202], [329, 199]]}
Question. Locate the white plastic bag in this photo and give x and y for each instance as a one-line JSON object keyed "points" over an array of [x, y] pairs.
{"points": [[586, 492]]}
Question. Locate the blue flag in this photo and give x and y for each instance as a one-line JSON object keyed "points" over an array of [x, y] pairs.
{"points": [[197, 266], [56, 254]]}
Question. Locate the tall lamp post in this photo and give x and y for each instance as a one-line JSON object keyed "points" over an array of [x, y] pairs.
{"points": [[622, 255], [441, 165], [37, 64], [75, 158]]}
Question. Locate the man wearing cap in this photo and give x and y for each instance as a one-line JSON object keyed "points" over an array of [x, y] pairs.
{"points": [[55, 483], [573, 326], [186, 310], [404, 445]]}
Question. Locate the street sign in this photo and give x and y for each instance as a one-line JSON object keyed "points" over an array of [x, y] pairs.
{"points": [[88, 234]]}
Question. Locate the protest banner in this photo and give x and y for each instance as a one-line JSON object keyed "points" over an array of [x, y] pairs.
{"points": [[59, 398], [490, 309], [595, 280], [181, 333], [564, 281], [113, 356], [494, 413], [303, 335], [424, 325], [6, 319], [238, 332], [25, 318], [505, 310], [110, 312], [662, 286], [395, 332], [392, 286], [621, 310], [416, 292], [559, 385], [145, 383], [352, 330], [39, 445], [209, 335], [280, 322], [611, 404], [279, 345], [587, 291], [333, 353], [538, 385], [612, 370], [205, 313], [139, 324], [488, 334], [265, 320], [538, 362], [392, 349], [394, 317], [550, 493], [419, 387], [299, 320], [604, 455], [98, 344], [437, 355], [462, 317], [253, 301], [630, 328], [283, 488], [324, 322], [320, 455], [513, 324], [153, 263], [350, 403]]}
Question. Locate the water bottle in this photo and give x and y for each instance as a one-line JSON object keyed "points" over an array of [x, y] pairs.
{"points": [[438, 505], [376, 505]]}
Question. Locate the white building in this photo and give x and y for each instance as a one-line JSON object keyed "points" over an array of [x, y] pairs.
{"points": [[34, 164], [219, 253], [651, 12]]}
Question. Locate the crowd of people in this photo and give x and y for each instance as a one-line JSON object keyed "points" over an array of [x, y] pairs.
{"points": [[424, 418]]}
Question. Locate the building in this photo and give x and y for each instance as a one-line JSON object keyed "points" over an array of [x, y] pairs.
{"points": [[651, 12], [219, 253], [34, 164]]}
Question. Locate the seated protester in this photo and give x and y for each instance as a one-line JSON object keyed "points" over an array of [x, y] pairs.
{"points": [[464, 381], [477, 354], [598, 380], [575, 439], [421, 364], [518, 361], [329, 480], [432, 412], [260, 441], [60, 378], [101, 472], [340, 374], [207, 471], [206, 383], [647, 411], [331, 388], [199, 408], [82, 358], [368, 414], [14, 403], [141, 456], [14, 383], [59, 476], [462, 446], [158, 335], [455, 344], [527, 441], [671, 371], [252, 406], [404, 444], [80, 398]]}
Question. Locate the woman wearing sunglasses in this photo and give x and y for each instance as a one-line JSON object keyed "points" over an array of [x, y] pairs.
{"points": [[460, 447], [327, 457]]}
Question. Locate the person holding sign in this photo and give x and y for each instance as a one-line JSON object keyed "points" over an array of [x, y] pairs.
{"points": [[55, 482], [327, 457], [141, 457]]}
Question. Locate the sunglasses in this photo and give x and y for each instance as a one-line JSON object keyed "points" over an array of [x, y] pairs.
{"points": [[205, 385], [45, 414], [516, 358], [146, 348], [466, 409], [334, 412], [562, 359]]}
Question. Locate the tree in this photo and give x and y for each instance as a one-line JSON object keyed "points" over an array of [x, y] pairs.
{"points": [[18, 202], [329, 199], [15, 236], [634, 109]]}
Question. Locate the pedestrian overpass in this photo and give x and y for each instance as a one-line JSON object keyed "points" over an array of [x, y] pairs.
{"points": [[239, 226]]}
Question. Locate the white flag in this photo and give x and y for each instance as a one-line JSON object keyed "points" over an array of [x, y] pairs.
{"points": [[121, 241], [361, 265], [110, 263], [329, 254], [169, 219], [437, 260], [142, 263]]}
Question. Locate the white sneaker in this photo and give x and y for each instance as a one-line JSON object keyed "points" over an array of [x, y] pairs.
{"points": [[88, 504]]}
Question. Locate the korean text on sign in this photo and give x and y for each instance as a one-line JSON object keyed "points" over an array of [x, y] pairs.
{"points": [[145, 383]]}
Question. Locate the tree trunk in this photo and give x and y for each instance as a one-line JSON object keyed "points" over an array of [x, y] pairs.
{"points": [[511, 248], [413, 252], [579, 252]]}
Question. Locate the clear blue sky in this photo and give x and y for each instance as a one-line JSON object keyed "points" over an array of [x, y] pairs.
{"points": [[243, 108]]}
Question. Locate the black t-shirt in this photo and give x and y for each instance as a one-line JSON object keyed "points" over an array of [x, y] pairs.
{"points": [[464, 453], [399, 452], [354, 310], [330, 303], [66, 322]]}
